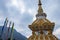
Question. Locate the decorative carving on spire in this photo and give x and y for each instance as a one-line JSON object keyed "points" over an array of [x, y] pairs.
{"points": [[40, 10]]}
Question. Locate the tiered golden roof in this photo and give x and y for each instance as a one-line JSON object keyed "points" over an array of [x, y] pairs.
{"points": [[42, 28], [39, 24]]}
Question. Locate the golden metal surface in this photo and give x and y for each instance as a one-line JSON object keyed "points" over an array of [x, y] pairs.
{"points": [[42, 28]]}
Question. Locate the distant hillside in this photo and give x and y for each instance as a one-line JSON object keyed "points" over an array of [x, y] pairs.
{"points": [[16, 35]]}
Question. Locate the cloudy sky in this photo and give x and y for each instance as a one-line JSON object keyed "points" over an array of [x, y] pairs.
{"points": [[22, 13]]}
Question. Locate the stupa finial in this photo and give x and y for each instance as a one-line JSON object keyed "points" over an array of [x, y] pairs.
{"points": [[40, 8], [39, 2]]}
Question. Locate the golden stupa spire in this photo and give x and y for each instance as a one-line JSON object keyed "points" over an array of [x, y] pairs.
{"points": [[42, 28], [40, 10]]}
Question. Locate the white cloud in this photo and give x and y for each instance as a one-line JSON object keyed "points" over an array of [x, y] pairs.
{"points": [[22, 6], [1, 14], [18, 4], [1, 18], [33, 12], [14, 2], [57, 32], [27, 33], [50, 7], [19, 29], [30, 10]]}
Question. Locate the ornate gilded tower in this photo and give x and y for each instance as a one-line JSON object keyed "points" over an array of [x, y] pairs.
{"points": [[42, 28]]}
